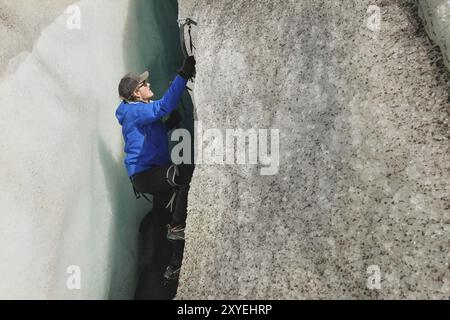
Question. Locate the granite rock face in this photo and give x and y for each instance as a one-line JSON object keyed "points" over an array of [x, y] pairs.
{"points": [[362, 190]]}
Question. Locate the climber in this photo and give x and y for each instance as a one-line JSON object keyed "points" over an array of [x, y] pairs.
{"points": [[147, 160]]}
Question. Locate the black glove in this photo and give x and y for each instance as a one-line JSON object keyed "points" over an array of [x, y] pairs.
{"points": [[187, 71], [173, 121]]}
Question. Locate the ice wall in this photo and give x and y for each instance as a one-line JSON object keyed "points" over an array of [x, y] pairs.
{"points": [[436, 17], [360, 205], [65, 198]]}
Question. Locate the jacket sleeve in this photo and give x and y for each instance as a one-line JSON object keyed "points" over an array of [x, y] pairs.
{"points": [[153, 111]]}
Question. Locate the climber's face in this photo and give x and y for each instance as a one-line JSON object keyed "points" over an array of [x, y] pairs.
{"points": [[143, 92]]}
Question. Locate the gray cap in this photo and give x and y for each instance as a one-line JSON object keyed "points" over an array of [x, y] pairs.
{"points": [[129, 83]]}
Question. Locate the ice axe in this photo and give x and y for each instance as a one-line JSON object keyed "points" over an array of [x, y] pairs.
{"points": [[183, 23]]}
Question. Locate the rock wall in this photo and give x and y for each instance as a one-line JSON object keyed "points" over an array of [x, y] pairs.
{"points": [[362, 191]]}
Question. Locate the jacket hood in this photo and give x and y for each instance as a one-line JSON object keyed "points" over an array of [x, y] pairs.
{"points": [[121, 112]]}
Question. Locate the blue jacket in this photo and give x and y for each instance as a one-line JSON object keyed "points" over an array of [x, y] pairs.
{"points": [[145, 135]]}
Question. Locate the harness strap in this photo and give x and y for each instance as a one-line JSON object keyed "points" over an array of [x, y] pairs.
{"points": [[172, 201]]}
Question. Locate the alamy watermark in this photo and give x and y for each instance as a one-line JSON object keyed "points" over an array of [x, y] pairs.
{"points": [[74, 19], [228, 147], [73, 281], [374, 20], [374, 277]]}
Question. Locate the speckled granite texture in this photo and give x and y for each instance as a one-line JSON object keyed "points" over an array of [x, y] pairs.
{"points": [[364, 153]]}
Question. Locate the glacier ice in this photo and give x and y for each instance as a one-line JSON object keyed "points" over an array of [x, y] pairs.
{"points": [[65, 197]]}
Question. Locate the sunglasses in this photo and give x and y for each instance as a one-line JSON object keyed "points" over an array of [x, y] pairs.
{"points": [[143, 84]]}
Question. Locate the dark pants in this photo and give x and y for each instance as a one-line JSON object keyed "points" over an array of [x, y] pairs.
{"points": [[160, 183], [155, 254]]}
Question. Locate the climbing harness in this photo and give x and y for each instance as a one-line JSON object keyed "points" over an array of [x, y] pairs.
{"points": [[172, 172]]}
